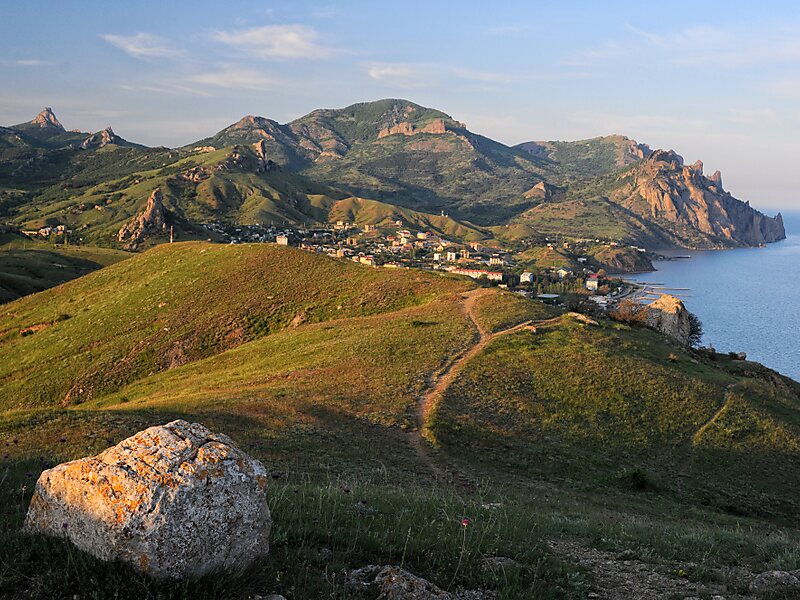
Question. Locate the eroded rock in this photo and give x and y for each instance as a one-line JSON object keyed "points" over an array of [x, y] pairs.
{"points": [[394, 583], [669, 316], [771, 582], [174, 500]]}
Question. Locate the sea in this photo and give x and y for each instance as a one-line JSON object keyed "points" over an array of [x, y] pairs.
{"points": [[748, 299]]}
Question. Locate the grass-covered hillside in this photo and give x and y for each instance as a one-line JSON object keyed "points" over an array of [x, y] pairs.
{"points": [[555, 437], [27, 266]]}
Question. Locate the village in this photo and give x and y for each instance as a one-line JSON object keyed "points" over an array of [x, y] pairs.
{"points": [[398, 246]]}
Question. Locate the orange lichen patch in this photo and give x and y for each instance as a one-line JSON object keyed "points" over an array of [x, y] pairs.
{"points": [[144, 563], [261, 482]]}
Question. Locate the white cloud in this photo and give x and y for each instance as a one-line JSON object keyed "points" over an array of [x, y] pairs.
{"points": [[141, 45], [591, 56], [31, 62], [602, 123], [400, 75], [227, 77], [416, 75], [506, 29], [762, 43], [276, 42]]}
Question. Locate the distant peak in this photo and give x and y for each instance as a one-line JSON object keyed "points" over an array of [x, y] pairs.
{"points": [[667, 156], [47, 118]]}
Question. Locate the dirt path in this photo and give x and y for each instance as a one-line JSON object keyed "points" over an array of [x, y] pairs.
{"points": [[623, 576], [440, 380]]}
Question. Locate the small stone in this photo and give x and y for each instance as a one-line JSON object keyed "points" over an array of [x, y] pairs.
{"points": [[774, 581]]}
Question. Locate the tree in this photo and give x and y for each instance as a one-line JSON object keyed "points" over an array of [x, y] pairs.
{"points": [[695, 330]]}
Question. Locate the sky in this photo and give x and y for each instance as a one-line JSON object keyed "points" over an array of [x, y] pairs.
{"points": [[717, 81]]}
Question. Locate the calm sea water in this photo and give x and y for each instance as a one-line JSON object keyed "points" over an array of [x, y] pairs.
{"points": [[748, 299]]}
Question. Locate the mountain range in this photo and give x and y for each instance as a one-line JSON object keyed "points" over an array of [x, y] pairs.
{"points": [[372, 162]]}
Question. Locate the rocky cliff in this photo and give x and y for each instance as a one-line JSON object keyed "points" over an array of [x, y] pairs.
{"points": [[669, 316], [694, 208], [152, 219]]}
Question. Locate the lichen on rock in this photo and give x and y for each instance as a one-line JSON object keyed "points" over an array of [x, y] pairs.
{"points": [[174, 500]]}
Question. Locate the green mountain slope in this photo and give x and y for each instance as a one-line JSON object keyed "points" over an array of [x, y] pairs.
{"points": [[392, 151]]}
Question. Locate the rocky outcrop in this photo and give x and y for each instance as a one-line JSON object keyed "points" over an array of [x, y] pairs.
{"points": [[173, 501], [46, 119], [542, 191], [101, 139], [263, 163], [669, 316], [692, 207], [151, 220], [776, 583], [394, 583], [622, 259], [436, 127]]}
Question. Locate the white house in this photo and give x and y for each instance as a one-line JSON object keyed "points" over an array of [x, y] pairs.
{"points": [[526, 277], [282, 240]]}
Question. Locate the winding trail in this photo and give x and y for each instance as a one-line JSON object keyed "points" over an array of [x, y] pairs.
{"points": [[440, 380]]}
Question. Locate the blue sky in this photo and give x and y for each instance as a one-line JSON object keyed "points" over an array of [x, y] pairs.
{"points": [[719, 81]]}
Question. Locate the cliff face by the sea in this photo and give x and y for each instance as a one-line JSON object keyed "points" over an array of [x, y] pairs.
{"points": [[693, 208]]}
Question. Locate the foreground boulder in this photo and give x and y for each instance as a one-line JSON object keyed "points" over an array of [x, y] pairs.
{"points": [[174, 500]]}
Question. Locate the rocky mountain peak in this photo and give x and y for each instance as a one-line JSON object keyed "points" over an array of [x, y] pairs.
{"points": [[716, 179], [47, 118], [100, 139], [666, 157]]}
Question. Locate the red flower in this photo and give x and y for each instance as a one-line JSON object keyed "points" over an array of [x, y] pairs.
{"points": [[465, 522]]}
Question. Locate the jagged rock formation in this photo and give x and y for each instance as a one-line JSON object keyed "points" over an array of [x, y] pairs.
{"points": [[669, 316], [152, 219], [101, 139], [47, 118], [437, 126], [694, 208], [173, 501], [542, 191]]}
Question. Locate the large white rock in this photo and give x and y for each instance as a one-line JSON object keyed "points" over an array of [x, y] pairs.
{"points": [[173, 500]]}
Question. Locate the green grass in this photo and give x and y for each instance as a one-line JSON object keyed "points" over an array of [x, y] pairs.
{"points": [[176, 304], [586, 403], [506, 309], [318, 534], [602, 433], [27, 267]]}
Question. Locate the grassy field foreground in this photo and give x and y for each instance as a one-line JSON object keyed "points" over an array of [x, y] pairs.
{"points": [[597, 435]]}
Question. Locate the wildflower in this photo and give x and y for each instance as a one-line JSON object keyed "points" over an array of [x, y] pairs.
{"points": [[465, 522], [28, 474], [62, 440], [109, 440], [65, 525]]}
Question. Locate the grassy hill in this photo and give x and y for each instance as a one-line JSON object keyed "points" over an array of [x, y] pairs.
{"points": [[598, 433], [28, 266]]}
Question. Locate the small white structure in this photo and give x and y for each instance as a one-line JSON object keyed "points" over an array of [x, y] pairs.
{"points": [[592, 282], [526, 277], [282, 240]]}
